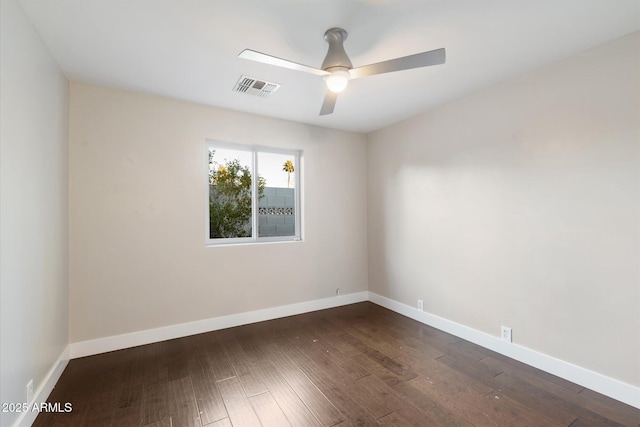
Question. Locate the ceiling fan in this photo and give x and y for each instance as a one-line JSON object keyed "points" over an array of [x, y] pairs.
{"points": [[337, 69]]}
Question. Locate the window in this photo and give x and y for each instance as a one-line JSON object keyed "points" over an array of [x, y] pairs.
{"points": [[253, 194]]}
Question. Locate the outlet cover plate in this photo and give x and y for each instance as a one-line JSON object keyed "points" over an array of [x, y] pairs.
{"points": [[420, 305], [505, 334]]}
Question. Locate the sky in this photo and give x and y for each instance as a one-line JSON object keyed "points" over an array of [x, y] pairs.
{"points": [[269, 165]]}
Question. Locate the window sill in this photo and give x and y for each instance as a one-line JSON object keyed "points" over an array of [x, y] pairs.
{"points": [[253, 242]]}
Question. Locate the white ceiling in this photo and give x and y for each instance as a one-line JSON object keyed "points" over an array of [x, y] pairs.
{"points": [[187, 49]]}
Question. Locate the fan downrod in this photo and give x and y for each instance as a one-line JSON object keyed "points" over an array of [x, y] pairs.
{"points": [[336, 55]]}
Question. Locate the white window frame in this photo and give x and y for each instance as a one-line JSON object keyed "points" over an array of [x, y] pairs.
{"points": [[254, 150]]}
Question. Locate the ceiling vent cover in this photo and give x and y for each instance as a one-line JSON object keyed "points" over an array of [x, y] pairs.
{"points": [[252, 86]]}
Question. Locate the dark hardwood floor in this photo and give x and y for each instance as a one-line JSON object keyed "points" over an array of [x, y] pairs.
{"points": [[349, 366]]}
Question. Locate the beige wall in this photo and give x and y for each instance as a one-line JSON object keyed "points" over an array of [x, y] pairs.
{"points": [[34, 208], [519, 206], [139, 213]]}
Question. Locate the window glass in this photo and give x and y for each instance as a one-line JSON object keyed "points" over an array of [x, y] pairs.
{"points": [[230, 193], [277, 203]]}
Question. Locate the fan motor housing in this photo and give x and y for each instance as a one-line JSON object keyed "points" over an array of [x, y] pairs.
{"points": [[336, 55]]}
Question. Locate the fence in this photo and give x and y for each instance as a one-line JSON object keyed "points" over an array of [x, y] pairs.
{"points": [[276, 212]]}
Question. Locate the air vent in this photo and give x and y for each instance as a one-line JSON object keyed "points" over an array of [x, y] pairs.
{"points": [[252, 86]]}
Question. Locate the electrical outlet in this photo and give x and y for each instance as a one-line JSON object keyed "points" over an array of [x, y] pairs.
{"points": [[338, 292], [505, 334], [29, 391], [420, 305]]}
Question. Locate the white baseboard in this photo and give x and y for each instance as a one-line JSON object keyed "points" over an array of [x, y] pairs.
{"points": [[44, 390], [133, 339], [611, 387]]}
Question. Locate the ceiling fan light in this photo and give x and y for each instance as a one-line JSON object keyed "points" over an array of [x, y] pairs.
{"points": [[337, 81]]}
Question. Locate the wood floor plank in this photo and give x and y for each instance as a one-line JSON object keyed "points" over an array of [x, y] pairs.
{"points": [[509, 365], [136, 364], [342, 345], [404, 341], [225, 422], [380, 358], [243, 367], [438, 373], [505, 411], [155, 402], [461, 402], [326, 363], [177, 363], [220, 364], [376, 339], [395, 420], [156, 367], [382, 372], [314, 323], [469, 350], [49, 419], [208, 398], [434, 412], [249, 341], [285, 345], [64, 393], [268, 411], [372, 340], [182, 403], [535, 398], [426, 334], [165, 422], [129, 406], [293, 407], [339, 396], [608, 407], [492, 409], [369, 396], [597, 404], [250, 380], [401, 407], [310, 395], [470, 368], [582, 422], [240, 411], [321, 352]]}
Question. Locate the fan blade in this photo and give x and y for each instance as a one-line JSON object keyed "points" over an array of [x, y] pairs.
{"points": [[329, 103], [272, 60], [424, 59]]}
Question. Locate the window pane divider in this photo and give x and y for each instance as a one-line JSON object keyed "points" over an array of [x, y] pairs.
{"points": [[255, 199]]}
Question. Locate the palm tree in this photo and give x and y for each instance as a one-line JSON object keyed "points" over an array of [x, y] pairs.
{"points": [[288, 168]]}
